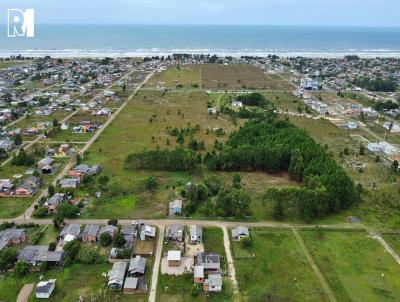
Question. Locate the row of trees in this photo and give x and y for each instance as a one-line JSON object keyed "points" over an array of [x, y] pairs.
{"points": [[167, 160], [273, 145]]}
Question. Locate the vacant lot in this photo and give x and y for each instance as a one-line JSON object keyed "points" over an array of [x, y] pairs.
{"points": [[145, 124], [183, 77], [356, 267], [6, 64], [278, 271], [237, 77]]}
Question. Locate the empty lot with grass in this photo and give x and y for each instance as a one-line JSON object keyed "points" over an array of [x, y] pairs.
{"points": [[278, 271], [356, 267]]}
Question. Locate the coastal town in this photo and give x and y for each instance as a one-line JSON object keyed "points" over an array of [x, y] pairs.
{"points": [[130, 179]]}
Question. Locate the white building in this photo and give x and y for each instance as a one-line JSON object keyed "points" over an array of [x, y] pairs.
{"points": [[309, 84], [44, 289]]}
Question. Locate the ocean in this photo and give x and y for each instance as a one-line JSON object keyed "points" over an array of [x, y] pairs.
{"points": [[143, 40]]}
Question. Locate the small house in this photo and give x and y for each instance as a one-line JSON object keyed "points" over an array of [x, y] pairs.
{"points": [[69, 183], [137, 267], [116, 275], [240, 232], [110, 229], [211, 262], [175, 232], [147, 232], [46, 165], [130, 233], [12, 237], [89, 234], [44, 289], [175, 207], [135, 285], [196, 234], [213, 283], [174, 258], [70, 231], [198, 274]]}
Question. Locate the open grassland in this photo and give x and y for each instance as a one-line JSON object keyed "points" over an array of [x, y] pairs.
{"points": [[237, 77], [356, 267], [217, 77], [285, 101], [32, 120], [278, 271], [11, 207], [13, 63], [143, 125], [185, 77]]}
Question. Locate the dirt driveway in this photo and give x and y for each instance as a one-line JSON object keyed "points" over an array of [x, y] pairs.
{"points": [[25, 292]]}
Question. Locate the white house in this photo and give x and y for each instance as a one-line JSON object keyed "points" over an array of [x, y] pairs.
{"points": [[44, 289], [237, 104]]}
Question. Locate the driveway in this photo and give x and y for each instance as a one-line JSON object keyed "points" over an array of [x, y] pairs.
{"points": [[25, 292]]}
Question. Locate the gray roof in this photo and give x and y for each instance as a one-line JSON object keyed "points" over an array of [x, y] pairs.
{"points": [[214, 280], [83, 168], [137, 265], [71, 229], [93, 170], [45, 162], [69, 182], [240, 231], [45, 287], [131, 282], [208, 260], [111, 229], [33, 253], [175, 231], [196, 231], [129, 230], [117, 272], [54, 256], [55, 199], [10, 234], [91, 230]]}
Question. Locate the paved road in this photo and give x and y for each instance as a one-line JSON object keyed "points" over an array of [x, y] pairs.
{"points": [[25, 292], [314, 266], [156, 266]]}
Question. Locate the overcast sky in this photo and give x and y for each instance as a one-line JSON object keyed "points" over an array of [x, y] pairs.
{"points": [[242, 12]]}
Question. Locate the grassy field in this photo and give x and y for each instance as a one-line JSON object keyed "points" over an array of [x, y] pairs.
{"points": [[213, 242], [185, 77], [278, 272], [217, 77], [237, 77], [13, 63], [143, 125], [33, 119], [356, 267]]}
